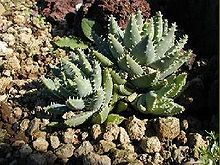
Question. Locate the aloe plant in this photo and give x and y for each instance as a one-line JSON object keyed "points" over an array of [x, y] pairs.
{"points": [[136, 66], [148, 55], [82, 87]]}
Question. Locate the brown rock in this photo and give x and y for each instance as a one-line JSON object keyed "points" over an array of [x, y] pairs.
{"points": [[33, 126], [57, 9], [6, 113], [122, 156], [123, 136], [105, 146], [39, 134], [96, 131], [41, 145], [181, 138], [70, 136], [135, 128], [17, 112], [65, 151], [111, 133], [95, 159], [54, 142], [168, 128], [2, 9], [24, 124], [85, 148], [151, 144]]}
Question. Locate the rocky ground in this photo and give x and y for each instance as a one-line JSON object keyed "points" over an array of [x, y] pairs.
{"points": [[26, 51]]}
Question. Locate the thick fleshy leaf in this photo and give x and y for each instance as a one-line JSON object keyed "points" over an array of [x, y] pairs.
{"points": [[85, 62], [56, 108], [145, 81], [139, 19], [98, 100], [108, 86], [173, 87], [70, 69], [89, 27], [104, 60], [166, 43], [101, 116], [144, 51], [117, 78], [78, 119], [151, 103], [97, 76], [75, 104], [158, 28], [115, 29], [133, 66], [115, 46], [132, 35], [72, 43], [115, 118], [84, 87]]}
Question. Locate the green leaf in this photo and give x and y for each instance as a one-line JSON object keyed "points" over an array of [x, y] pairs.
{"points": [[75, 104], [115, 118], [84, 86], [117, 78], [108, 86], [104, 60], [56, 108], [71, 43], [173, 87], [132, 35], [115, 29], [101, 116], [121, 106], [78, 119], [89, 27], [151, 103], [145, 81], [115, 46]]}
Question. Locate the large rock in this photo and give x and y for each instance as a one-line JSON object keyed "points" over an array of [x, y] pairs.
{"points": [[120, 156], [33, 126], [70, 136], [25, 150], [167, 128], [135, 128], [111, 133]]}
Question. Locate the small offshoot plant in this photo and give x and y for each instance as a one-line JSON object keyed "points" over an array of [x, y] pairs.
{"points": [[210, 155], [136, 66]]}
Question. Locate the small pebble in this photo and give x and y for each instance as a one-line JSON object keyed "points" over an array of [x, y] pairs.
{"points": [[151, 144], [65, 151], [54, 142], [40, 145], [96, 131]]}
